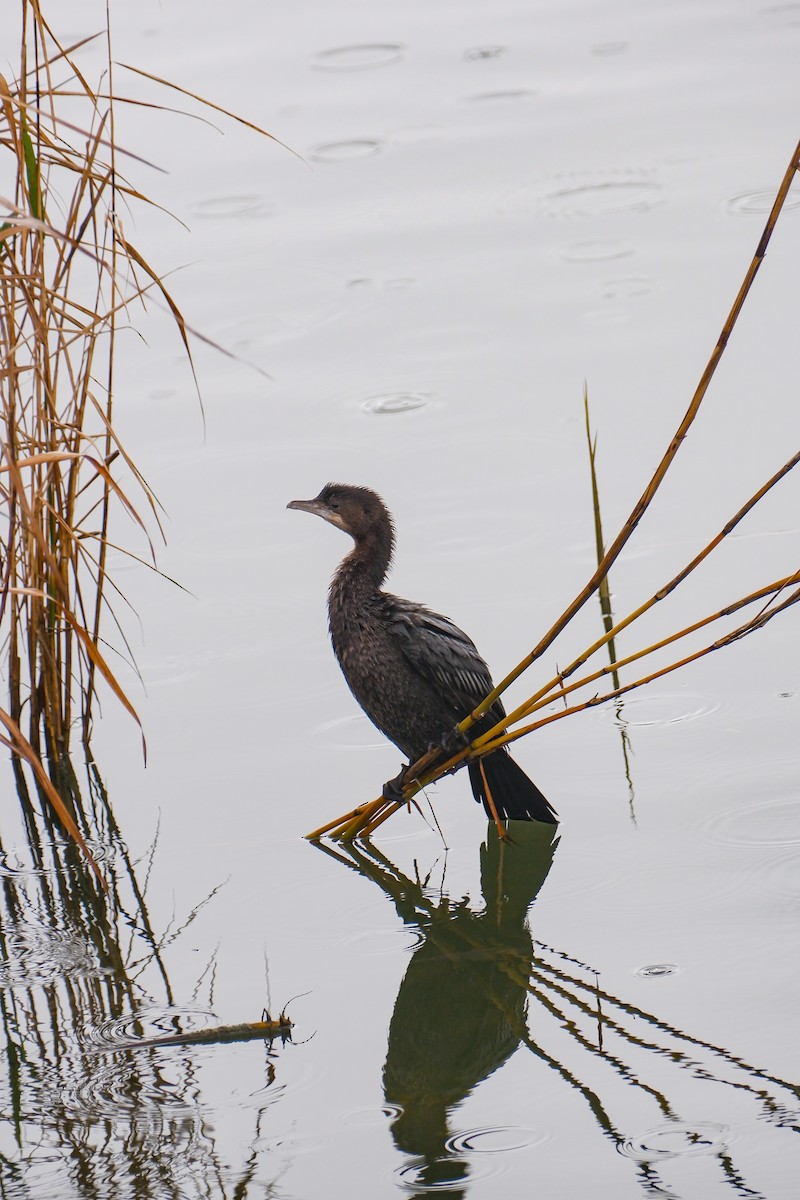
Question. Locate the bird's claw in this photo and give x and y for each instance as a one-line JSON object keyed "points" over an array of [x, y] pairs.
{"points": [[393, 788]]}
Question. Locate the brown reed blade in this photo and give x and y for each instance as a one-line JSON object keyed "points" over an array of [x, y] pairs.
{"points": [[167, 83]]}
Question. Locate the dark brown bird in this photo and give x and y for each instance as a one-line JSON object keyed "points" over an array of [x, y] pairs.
{"points": [[414, 673]]}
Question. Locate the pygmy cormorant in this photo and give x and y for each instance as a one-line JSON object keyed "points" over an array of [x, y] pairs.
{"points": [[414, 673]]}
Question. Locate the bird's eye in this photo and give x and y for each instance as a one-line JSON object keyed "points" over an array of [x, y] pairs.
{"points": [[333, 503]]}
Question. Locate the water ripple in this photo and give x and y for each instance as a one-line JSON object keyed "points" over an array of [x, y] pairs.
{"points": [[443, 1174], [509, 94], [608, 316], [117, 1090], [657, 970], [392, 403], [497, 1139], [758, 203], [666, 708], [773, 874], [291, 1144], [597, 250], [152, 1021], [478, 53], [17, 861], [35, 954], [626, 289], [226, 207], [383, 941], [771, 822], [372, 1116], [589, 196], [347, 151], [679, 1139], [352, 732], [359, 57], [581, 873]]}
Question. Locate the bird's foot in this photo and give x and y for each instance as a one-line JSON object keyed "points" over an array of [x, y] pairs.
{"points": [[393, 788], [451, 744]]}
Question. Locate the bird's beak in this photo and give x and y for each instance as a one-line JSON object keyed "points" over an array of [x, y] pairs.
{"points": [[317, 508], [312, 506]]}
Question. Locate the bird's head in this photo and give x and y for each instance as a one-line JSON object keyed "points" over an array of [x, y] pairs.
{"points": [[355, 510]]}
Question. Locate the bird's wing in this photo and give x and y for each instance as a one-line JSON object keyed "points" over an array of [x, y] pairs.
{"points": [[441, 653]]}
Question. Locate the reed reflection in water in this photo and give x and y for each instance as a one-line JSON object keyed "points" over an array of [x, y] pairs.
{"points": [[100, 1093], [479, 983]]}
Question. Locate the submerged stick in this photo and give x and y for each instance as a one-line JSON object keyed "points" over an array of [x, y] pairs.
{"points": [[268, 1029]]}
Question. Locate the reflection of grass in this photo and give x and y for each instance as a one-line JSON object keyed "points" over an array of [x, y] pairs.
{"points": [[102, 1067], [770, 600], [69, 275]]}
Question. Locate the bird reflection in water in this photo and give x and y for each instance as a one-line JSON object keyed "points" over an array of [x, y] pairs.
{"points": [[461, 1013], [460, 1010]]}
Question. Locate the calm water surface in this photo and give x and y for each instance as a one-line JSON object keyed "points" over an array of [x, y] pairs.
{"points": [[496, 204]]}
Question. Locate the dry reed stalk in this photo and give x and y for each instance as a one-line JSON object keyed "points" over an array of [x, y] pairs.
{"points": [[365, 819], [63, 280], [21, 748], [603, 591], [67, 274]]}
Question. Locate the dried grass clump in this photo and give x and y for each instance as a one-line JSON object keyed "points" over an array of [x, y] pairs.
{"points": [[69, 278], [66, 273]]}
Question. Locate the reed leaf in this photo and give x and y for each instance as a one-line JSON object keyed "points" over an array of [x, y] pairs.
{"points": [[67, 274]]}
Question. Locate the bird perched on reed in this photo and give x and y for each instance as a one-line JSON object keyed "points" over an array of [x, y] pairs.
{"points": [[414, 672]]}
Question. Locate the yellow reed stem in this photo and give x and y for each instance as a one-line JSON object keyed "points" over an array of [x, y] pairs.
{"points": [[393, 807], [323, 829], [351, 829]]}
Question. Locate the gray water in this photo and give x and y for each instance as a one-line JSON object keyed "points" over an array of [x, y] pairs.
{"points": [[496, 205]]}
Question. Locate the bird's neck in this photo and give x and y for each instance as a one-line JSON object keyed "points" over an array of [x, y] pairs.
{"points": [[366, 566], [357, 579]]}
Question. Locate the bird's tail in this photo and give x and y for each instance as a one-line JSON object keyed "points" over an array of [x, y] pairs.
{"points": [[515, 797]]}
